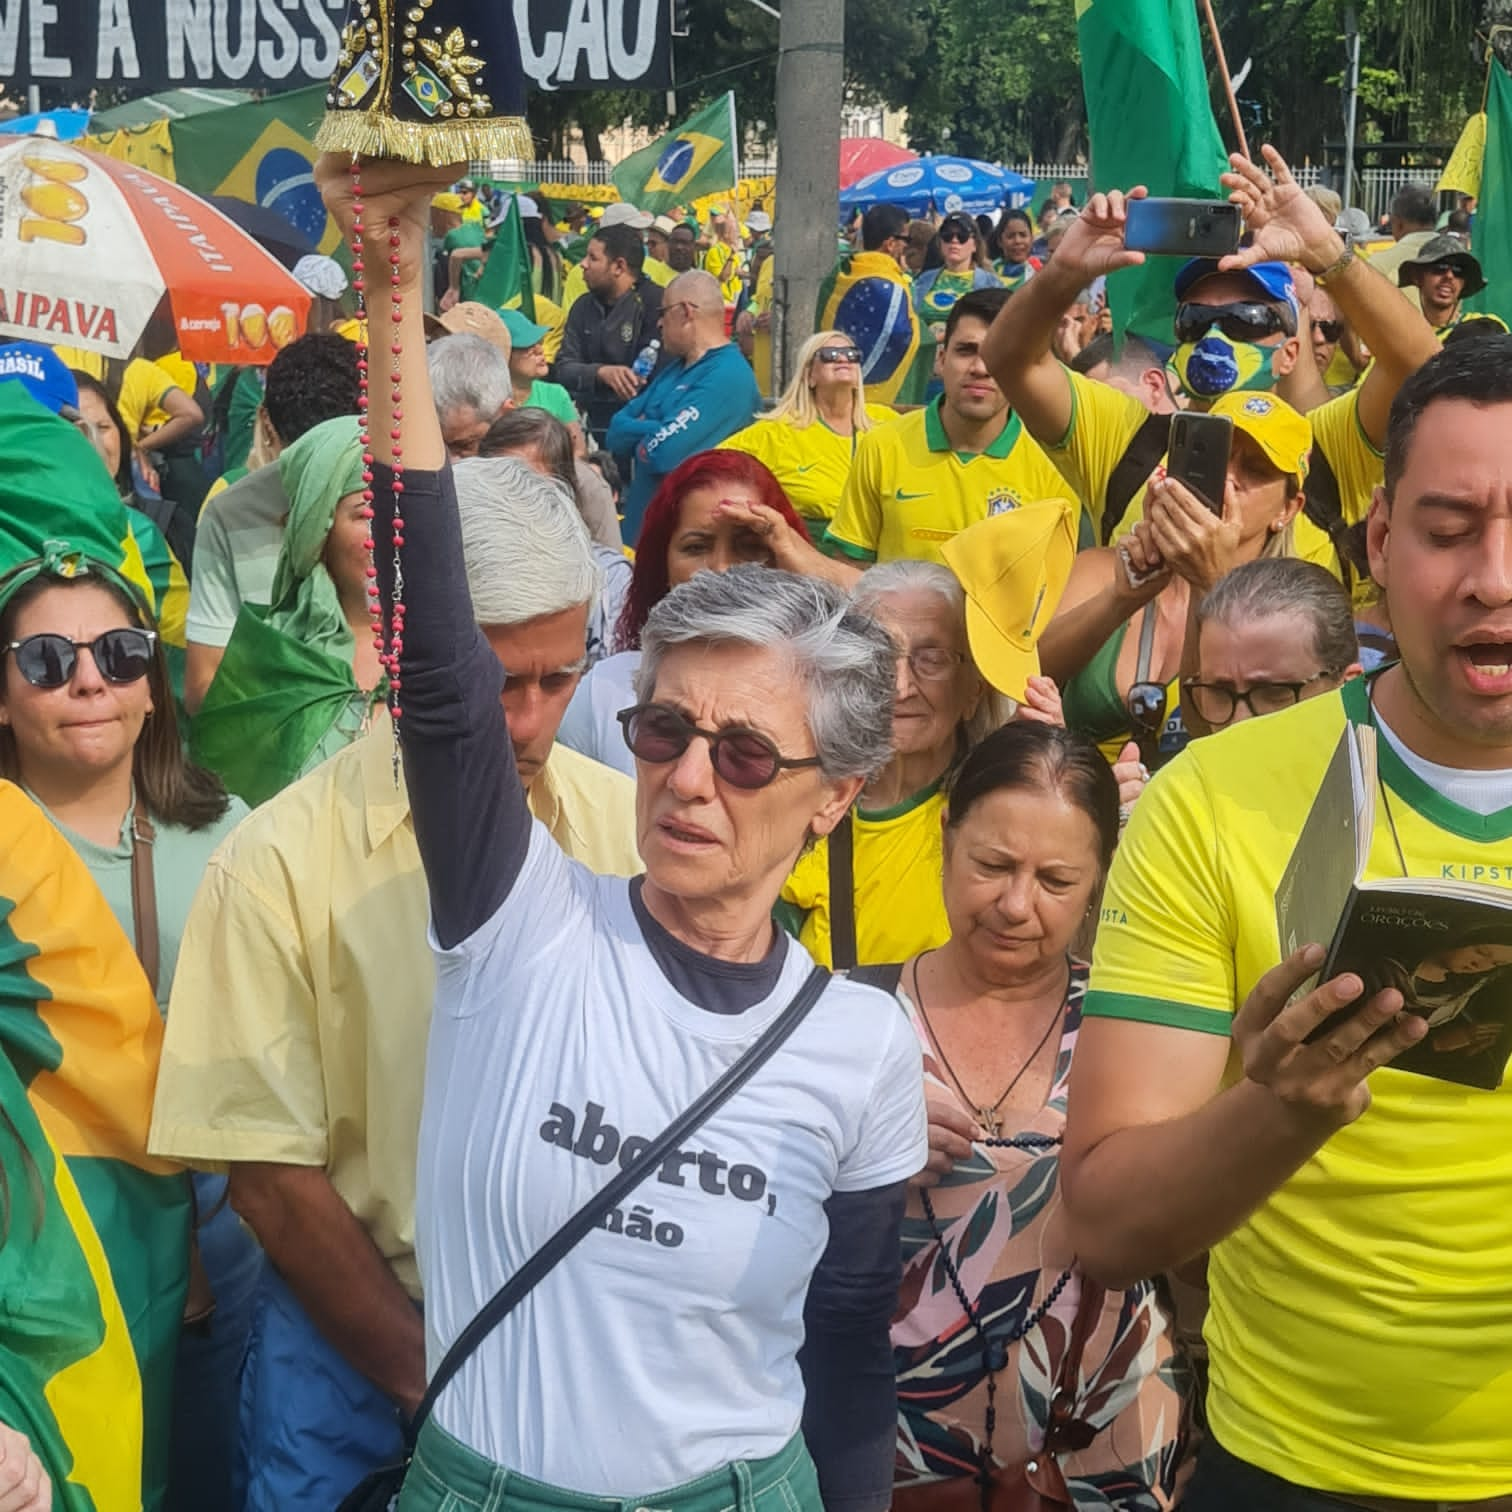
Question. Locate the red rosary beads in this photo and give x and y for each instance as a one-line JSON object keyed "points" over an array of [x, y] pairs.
{"points": [[388, 638]]}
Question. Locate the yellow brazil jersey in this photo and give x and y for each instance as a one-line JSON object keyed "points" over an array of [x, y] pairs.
{"points": [[896, 861], [1360, 1331], [726, 265], [761, 340], [909, 492], [812, 464]]}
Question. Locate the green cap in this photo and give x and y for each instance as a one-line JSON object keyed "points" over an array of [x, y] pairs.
{"points": [[523, 331]]}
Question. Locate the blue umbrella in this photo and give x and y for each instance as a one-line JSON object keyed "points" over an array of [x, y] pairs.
{"points": [[940, 184], [62, 125]]}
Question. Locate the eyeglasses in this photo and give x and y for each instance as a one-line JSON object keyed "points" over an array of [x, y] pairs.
{"points": [[838, 354], [1329, 330], [744, 758], [932, 663], [1217, 703], [48, 661], [1245, 320], [666, 310], [956, 234]]}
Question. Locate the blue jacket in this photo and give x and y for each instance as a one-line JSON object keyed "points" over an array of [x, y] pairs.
{"points": [[682, 411]]}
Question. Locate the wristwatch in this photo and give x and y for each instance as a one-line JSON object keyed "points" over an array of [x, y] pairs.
{"points": [[1338, 265]]}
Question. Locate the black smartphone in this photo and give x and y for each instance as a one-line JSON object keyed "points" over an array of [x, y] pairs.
{"points": [[1199, 454], [1183, 227]]}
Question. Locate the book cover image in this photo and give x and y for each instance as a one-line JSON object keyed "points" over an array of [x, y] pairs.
{"points": [[1453, 966]]}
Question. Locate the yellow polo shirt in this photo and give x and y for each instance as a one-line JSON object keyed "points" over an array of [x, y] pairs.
{"points": [[1361, 1329], [1104, 421], [303, 995], [909, 492], [574, 286], [812, 464]]}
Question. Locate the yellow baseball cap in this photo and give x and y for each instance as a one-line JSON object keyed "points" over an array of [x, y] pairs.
{"points": [[1013, 567], [1282, 434], [447, 201]]}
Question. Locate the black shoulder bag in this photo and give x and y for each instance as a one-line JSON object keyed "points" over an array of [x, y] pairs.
{"points": [[378, 1491], [1145, 449]]}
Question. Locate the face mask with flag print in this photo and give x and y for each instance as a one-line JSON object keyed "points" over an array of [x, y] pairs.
{"points": [[1217, 365]]}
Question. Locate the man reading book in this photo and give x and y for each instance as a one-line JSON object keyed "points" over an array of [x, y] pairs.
{"points": [[1359, 1218]]}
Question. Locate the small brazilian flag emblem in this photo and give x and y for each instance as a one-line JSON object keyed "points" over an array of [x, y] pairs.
{"points": [[426, 90]]}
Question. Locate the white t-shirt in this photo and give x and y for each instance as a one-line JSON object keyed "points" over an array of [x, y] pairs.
{"points": [[589, 726], [665, 1347]]}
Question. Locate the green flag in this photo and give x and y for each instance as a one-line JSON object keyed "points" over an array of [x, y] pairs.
{"points": [[1150, 121], [506, 283], [692, 160], [1493, 213], [263, 153]]}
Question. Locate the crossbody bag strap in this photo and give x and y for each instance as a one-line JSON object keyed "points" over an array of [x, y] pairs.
{"points": [[144, 914], [1145, 449], [842, 894], [591, 1214]]}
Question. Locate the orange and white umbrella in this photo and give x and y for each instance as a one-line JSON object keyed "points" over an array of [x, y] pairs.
{"points": [[89, 246]]}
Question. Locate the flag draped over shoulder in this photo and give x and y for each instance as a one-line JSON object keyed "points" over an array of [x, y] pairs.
{"points": [[870, 298], [692, 160], [96, 1245], [1492, 230], [507, 282], [1151, 123]]}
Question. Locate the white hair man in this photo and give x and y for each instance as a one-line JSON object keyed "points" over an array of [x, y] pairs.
{"points": [[304, 998], [471, 381], [704, 395]]}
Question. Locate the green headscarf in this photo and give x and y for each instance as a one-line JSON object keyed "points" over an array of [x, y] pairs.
{"points": [[318, 471]]}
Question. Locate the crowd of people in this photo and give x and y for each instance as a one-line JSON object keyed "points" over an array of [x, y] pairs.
{"points": [[542, 730]]}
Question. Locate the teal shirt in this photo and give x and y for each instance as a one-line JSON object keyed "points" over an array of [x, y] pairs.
{"points": [[179, 857]]}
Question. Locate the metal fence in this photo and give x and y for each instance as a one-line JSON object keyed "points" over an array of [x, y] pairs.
{"points": [[1374, 187]]}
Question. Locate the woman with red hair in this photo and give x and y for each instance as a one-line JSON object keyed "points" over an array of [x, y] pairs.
{"points": [[716, 510]]}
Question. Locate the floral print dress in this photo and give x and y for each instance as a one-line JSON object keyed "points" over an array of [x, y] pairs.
{"points": [[999, 1215]]}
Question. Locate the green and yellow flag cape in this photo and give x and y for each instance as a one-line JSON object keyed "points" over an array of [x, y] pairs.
{"points": [[93, 1264]]}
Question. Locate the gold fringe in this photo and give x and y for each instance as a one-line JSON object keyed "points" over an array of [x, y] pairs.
{"points": [[372, 133]]}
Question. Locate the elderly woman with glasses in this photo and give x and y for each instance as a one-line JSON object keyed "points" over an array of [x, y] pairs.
{"points": [[808, 439], [726, 1332]]}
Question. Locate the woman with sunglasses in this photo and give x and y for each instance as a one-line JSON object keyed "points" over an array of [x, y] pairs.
{"points": [[1124, 632], [659, 1362], [717, 510], [965, 268], [87, 728], [995, 1310], [301, 679], [1016, 263], [808, 439], [888, 908]]}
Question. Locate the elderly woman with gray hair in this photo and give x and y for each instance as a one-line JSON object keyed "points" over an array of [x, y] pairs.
{"points": [[677, 1348]]}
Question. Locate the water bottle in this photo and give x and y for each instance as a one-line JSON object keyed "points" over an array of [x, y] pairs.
{"points": [[645, 364]]}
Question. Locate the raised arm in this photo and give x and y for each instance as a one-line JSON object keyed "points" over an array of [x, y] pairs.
{"points": [[471, 821], [1019, 350]]}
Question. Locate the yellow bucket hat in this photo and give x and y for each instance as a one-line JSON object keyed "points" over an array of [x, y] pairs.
{"points": [[1013, 567], [1282, 434], [447, 201]]}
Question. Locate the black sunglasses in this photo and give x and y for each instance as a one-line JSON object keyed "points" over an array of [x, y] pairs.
{"points": [[1329, 330], [743, 758], [838, 354], [955, 234], [48, 661], [1245, 320]]}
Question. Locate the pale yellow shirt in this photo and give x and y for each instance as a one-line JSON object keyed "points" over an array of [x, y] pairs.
{"points": [[304, 986]]}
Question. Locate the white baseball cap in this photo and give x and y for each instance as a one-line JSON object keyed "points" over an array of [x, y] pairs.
{"points": [[759, 220], [665, 224], [622, 214]]}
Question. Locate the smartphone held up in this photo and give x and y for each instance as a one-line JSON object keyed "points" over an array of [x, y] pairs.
{"points": [[1199, 454], [1183, 227]]}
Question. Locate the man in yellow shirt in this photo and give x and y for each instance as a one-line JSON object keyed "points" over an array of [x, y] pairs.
{"points": [[1359, 1217], [302, 1007], [1237, 329], [922, 478]]}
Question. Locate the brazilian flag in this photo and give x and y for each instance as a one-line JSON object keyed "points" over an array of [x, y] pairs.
{"points": [[870, 298], [507, 282], [94, 1260], [692, 160]]}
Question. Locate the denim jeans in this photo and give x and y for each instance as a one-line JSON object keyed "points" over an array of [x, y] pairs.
{"points": [[208, 1366]]}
